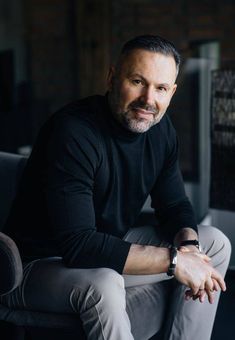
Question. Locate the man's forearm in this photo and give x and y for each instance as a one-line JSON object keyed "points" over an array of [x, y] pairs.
{"points": [[143, 260]]}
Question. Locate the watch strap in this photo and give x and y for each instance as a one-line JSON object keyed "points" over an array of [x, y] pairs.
{"points": [[195, 243]]}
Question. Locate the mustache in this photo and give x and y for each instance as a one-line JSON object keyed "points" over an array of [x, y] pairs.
{"points": [[139, 105]]}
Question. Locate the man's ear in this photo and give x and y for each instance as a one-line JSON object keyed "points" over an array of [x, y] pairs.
{"points": [[173, 90], [110, 78]]}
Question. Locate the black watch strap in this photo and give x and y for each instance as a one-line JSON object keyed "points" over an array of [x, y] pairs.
{"points": [[195, 243], [173, 261]]}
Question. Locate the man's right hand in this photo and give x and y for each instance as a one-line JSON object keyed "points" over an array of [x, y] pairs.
{"points": [[195, 271]]}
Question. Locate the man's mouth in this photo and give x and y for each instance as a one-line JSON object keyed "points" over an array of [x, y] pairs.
{"points": [[143, 113]]}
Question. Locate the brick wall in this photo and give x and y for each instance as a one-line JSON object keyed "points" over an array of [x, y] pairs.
{"points": [[180, 21], [50, 50]]}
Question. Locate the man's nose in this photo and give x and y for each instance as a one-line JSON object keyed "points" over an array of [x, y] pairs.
{"points": [[148, 96]]}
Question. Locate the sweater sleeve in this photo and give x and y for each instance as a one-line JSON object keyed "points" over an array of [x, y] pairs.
{"points": [[73, 158], [172, 207]]}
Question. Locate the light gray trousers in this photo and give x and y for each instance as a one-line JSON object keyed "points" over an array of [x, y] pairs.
{"points": [[116, 307]]}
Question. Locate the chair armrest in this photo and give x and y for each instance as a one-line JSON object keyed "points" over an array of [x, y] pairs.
{"points": [[11, 271]]}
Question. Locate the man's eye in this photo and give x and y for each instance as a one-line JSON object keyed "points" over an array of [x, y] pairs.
{"points": [[162, 89], [137, 81]]}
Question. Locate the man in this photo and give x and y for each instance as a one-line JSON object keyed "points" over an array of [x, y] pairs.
{"points": [[89, 174]]}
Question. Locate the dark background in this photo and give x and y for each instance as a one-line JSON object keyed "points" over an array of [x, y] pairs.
{"points": [[55, 51]]}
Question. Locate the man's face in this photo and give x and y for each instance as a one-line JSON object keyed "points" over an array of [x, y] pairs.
{"points": [[140, 89]]}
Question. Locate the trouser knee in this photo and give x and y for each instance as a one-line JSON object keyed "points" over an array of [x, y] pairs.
{"points": [[107, 279], [215, 244], [102, 286]]}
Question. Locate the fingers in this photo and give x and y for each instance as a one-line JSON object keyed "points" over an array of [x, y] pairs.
{"points": [[217, 281], [209, 285], [210, 295], [216, 285], [213, 282], [188, 294], [194, 290], [216, 276], [207, 290], [201, 295]]}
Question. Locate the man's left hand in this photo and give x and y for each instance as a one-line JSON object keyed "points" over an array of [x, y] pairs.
{"points": [[202, 293]]}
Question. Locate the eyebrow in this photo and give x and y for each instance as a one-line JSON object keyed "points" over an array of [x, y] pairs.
{"points": [[136, 75]]}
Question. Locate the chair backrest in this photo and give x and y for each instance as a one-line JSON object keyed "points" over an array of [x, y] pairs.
{"points": [[11, 168]]}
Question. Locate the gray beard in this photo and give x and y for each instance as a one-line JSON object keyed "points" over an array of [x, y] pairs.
{"points": [[135, 125], [127, 121]]}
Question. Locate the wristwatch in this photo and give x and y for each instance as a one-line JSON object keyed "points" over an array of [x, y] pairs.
{"points": [[173, 261], [195, 243]]}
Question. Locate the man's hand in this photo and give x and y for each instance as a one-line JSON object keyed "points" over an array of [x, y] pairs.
{"points": [[195, 270], [202, 294]]}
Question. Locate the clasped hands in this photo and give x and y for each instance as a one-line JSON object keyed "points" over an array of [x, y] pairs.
{"points": [[195, 270]]}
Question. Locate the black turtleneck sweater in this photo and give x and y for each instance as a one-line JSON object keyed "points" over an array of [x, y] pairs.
{"points": [[85, 184]]}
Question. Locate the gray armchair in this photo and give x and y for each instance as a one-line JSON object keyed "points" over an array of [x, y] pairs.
{"points": [[38, 324]]}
